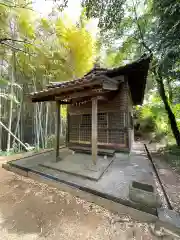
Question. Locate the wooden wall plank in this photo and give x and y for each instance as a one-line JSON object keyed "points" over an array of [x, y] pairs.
{"points": [[94, 130], [58, 116]]}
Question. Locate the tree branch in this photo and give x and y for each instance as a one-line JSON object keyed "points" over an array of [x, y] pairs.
{"points": [[17, 49], [17, 6], [140, 31], [13, 40]]}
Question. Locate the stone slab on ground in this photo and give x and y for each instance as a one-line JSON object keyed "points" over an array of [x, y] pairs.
{"points": [[80, 164], [169, 219], [144, 194]]}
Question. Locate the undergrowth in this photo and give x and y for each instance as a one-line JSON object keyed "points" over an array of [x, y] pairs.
{"points": [[171, 155]]}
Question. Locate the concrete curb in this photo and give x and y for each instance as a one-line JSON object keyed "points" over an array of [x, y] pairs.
{"points": [[13, 169], [168, 219], [31, 154]]}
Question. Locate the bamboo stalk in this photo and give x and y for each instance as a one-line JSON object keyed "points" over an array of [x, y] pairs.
{"points": [[46, 123], [22, 144], [18, 121], [11, 102], [39, 111]]}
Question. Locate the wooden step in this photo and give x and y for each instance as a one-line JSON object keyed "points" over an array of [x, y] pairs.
{"points": [[107, 152]]}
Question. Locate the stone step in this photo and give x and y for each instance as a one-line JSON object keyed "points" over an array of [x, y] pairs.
{"points": [[107, 152]]}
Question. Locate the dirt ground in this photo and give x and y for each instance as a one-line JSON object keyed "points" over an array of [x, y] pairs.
{"points": [[171, 181], [169, 176], [30, 210]]}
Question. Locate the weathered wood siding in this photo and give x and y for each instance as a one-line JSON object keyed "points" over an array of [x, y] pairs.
{"points": [[130, 121], [112, 122]]}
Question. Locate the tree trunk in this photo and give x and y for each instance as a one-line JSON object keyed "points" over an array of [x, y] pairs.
{"points": [[172, 119], [170, 93], [11, 101]]}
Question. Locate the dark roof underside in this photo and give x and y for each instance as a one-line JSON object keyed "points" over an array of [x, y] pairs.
{"points": [[135, 73]]}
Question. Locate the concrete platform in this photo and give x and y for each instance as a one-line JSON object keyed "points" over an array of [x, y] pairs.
{"points": [[113, 184], [80, 164]]}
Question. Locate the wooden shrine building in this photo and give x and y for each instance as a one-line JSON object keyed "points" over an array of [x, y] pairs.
{"points": [[99, 106]]}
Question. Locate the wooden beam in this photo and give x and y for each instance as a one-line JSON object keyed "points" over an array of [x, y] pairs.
{"points": [[119, 78], [80, 94], [58, 116], [85, 100], [49, 99], [111, 86], [65, 102], [62, 90], [94, 130]]}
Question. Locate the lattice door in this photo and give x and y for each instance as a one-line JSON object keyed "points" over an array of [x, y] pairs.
{"points": [[85, 129], [111, 129], [117, 122]]}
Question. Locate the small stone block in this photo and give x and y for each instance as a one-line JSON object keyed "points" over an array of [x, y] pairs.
{"points": [[142, 186], [169, 219], [143, 194], [5, 166]]}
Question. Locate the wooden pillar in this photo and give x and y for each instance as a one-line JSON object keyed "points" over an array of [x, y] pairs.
{"points": [[67, 127], [94, 130], [58, 116]]}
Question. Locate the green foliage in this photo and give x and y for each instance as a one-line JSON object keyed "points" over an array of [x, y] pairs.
{"points": [[78, 46], [51, 141], [147, 124], [171, 154], [3, 82], [152, 118], [54, 49], [147, 26], [34, 51], [109, 12]]}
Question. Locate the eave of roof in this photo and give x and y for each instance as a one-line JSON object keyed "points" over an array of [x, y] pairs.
{"points": [[135, 72]]}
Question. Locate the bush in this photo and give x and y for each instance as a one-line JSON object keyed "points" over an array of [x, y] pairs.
{"points": [[171, 155], [147, 125], [51, 141]]}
